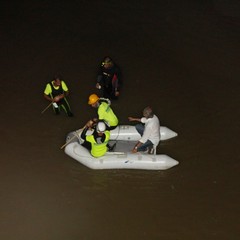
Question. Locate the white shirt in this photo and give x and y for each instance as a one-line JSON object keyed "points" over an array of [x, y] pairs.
{"points": [[151, 131]]}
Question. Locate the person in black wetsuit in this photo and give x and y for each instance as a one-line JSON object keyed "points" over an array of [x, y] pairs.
{"points": [[109, 79]]}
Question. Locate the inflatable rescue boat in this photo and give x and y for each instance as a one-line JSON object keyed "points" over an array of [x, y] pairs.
{"points": [[125, 137]]}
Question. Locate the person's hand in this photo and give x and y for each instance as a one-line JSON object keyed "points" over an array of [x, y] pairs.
{"points": [[117, 93], [98, 86], [56, 99], [89, 123], [134, 150], [95, 120]]}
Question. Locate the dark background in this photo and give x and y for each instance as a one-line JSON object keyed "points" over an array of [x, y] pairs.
{"points": [[180, 57]]}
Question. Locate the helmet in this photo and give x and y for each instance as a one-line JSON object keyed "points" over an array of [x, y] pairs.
{"points": [[93, 98], [101, 126]]}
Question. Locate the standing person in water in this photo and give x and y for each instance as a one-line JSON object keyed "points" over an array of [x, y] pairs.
{"points": [[56, 92], [109, 79]]}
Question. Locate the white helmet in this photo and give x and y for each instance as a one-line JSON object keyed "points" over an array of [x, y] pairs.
{"points": [[101, 126]]}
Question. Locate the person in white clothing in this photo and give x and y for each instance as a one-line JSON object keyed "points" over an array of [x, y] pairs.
{"points": [[149, 129]]}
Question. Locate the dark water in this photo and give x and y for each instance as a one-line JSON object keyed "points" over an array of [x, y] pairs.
{"points": [[182, 59]]}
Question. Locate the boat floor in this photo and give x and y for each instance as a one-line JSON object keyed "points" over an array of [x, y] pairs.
{"points": [[122, 146]]}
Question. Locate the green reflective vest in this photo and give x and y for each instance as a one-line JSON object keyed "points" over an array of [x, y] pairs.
{"points": [[106, 113], [97, 149]]}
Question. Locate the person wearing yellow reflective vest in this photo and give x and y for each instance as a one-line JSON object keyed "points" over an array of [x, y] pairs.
{"points": [[104, 111], [56, 92], [97, 142]]}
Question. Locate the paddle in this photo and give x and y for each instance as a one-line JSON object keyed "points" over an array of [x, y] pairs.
{"points": [[73, 137], [46, 108]]}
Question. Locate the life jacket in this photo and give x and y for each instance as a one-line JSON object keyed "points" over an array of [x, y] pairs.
{"points": [[106, 113], [98, 149], [55, 92]]}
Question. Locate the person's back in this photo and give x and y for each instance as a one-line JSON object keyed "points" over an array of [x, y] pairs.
{"points": [[149, 129], [106, 113], [96, 142], [99, 144], [152, 130]]}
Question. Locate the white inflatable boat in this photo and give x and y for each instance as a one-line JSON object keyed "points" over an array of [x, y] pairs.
{"points": [[125, 137], [129, 133]]}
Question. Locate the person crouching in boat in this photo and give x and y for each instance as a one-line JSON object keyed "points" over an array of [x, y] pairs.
{"points": [[97, 142], [105, 112], [56, 92], [149, 129]]}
